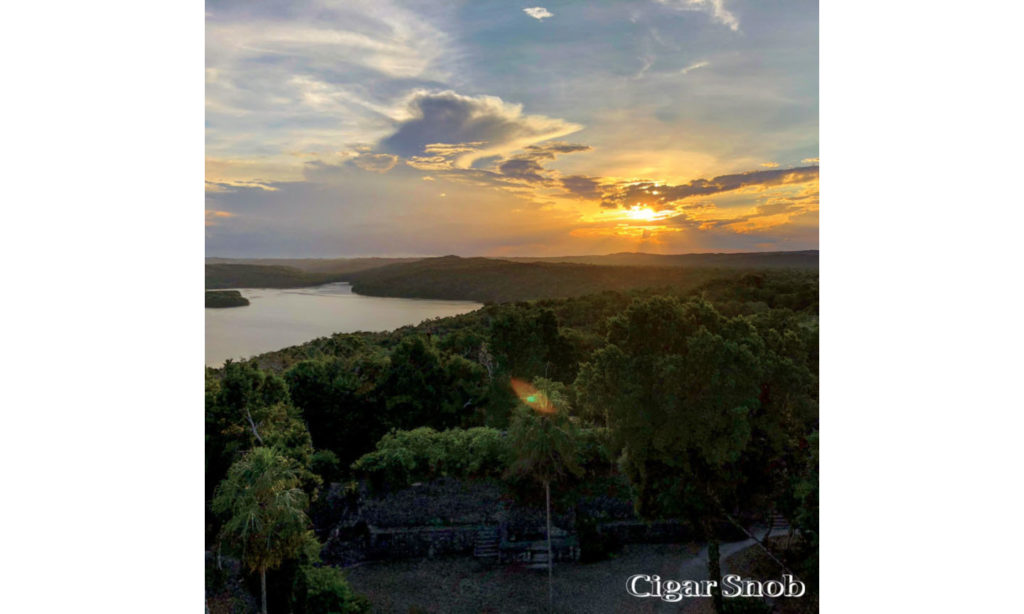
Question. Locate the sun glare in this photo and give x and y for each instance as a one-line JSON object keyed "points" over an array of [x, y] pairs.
{"points": [[645, 214]]}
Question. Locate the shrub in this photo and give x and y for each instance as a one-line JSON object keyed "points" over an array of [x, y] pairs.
{"points": [[327, 592], [327, 465], [423, 454]]}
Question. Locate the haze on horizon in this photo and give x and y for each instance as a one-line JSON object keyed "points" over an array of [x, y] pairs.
{"points": [[351, 128]]}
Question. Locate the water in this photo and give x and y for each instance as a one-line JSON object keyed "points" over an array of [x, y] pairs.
{"points": [[276, 319]]}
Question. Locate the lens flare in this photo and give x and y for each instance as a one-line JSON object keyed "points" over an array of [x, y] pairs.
{"points": [[532, 397]]}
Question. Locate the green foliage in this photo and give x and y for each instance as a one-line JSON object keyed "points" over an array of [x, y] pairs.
{"points": [[260, 276], [225, 298], [341, 401], [527, 344], [265, 510], [805, 514], [240, 397], [677, 384], [703, 394], [405, 457], [324, 590], [492, 280], [326, 465], [424, 387], [547, 443]]}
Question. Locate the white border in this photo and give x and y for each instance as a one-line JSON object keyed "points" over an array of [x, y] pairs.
{"points": [[921, 332]]}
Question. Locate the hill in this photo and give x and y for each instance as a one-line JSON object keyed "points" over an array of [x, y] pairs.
{"points": [[490, 280], [500, 280], [258, 276], [329, 266], [225, 298], [755, 260]]}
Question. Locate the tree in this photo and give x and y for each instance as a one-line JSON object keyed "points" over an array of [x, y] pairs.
{"points": [[425, 388], [527, 343], [325, 591], [248, 407], [678, 384], [341, 401], [266, 512], [546, 444]]}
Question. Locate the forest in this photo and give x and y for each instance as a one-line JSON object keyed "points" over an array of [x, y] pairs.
{"points": [[502, 280], [691, 404], [225, 298]]}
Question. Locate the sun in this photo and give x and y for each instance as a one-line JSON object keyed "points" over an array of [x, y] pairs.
{"points": [[644, 213]]}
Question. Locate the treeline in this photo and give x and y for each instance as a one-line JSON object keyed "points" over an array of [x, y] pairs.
{"points": [[703, 400], [807, 259], [225, 298], [261, 276], [328, 266], [490, 280], [494, 280]]}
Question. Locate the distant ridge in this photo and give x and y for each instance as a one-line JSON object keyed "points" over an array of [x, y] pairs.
{"points": [[793, 259], [502, 279], [328, 266]]}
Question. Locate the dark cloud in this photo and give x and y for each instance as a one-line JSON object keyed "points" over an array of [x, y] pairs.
{"points": [[630, 194], [527, 166], [485, 121], [582, 186], [549, 151], [523, 168]]}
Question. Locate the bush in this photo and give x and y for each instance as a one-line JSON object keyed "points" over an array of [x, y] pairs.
{"points": [[327, 592], [423, 454], [326, 464]]}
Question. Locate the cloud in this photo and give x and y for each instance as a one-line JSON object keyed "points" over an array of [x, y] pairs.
{"points": [[213, 215], [770, 164], [810, 160], [523, 168], [447, 129], [549, 151], [311, 76], [582, 186], [649, 193], [693, 67], [378, 163], [715, 8], [538, 13]]}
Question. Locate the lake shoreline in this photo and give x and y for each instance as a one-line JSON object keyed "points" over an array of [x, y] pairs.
{"points": [[278, 318]]}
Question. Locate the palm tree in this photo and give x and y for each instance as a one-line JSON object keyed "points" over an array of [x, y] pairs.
{"points": [[266, 511], [546, 445]]}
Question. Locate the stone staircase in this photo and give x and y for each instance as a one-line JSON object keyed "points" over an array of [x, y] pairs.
{"points": [[486, 545], [538, 557], [777, 521]]}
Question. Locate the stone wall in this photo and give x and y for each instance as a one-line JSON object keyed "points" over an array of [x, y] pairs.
{"points": [[421, 541]]}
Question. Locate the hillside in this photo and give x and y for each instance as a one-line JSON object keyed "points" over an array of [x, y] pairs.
{"points": [[754, 260], [488, 280], [500, 280], [329, 266], [219, 299], [258, 276]]}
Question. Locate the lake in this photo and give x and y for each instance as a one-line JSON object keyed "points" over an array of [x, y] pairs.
{"points": [[279, 318]]}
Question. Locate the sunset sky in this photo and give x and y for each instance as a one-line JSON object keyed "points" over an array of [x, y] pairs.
{"points": [[494, 128]]}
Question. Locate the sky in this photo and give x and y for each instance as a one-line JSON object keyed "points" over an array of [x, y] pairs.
{"points": [[342, 128]]}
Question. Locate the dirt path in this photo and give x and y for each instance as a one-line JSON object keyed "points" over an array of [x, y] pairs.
{"points": [[697, 569], [461, 585]]}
